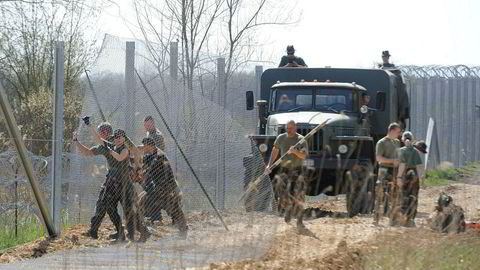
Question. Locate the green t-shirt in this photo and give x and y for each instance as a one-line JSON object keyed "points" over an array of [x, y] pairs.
{"points": [[283, 142], [387, 148], [113, 164], [409, 156]]}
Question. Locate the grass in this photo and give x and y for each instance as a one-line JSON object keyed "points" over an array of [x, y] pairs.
{"points": [[425, 250], [29, 229], [447, 174]]}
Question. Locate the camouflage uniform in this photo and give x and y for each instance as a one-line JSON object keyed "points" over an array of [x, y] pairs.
{"points": [[117, 188], [289, 59], [289, 183], [157, 136], [386, 148], [448, 217], [162, 191], [406, 196]]}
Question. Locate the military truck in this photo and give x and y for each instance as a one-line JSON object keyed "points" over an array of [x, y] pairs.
{"points": [[342, 154]]}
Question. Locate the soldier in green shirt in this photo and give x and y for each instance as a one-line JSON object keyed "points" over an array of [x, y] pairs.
{"points": [[289, 184], [386, 155], [407, 184]]}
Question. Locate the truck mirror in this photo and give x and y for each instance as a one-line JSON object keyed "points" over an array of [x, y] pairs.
{"points": [[249, 100], [381, 98]]}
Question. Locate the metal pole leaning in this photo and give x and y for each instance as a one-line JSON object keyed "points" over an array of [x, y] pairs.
{"points": [[12, 127], [95, 97], [181, 151]]}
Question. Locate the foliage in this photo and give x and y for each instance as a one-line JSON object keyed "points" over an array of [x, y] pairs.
{"points": [[444, 175], [28, 35]]}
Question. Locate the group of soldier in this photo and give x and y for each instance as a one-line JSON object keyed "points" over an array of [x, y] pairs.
{"points": [[291, 60], [399, 172], [127, 166]]}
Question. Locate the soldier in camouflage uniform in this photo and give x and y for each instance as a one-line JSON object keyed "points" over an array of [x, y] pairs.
{"points": [[161, 189], [448, 217], [289, 183], [386, 155], [104, 203], [407, 183], [117, 187], [290, 60], [154, 133]]}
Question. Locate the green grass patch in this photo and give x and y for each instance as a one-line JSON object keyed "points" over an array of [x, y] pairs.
{"points": [[29, 228], [445, 175], [425, 250]]}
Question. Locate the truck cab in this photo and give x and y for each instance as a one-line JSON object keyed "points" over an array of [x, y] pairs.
{"points": [[341, 155]]}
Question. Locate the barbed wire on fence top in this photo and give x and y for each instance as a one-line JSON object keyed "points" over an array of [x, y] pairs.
{"points": [[438, 71]]}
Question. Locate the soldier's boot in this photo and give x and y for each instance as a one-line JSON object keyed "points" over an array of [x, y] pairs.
{"points": [[91, 233], [120, 237], [115, 235], [144, 235]]}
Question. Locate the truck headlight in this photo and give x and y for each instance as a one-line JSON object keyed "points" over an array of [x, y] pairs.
{"points": [[342, 149], [263, 148], [364, 109]]}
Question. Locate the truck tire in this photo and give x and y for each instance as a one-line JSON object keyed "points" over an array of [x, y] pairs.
{"points": [[360, 185]]}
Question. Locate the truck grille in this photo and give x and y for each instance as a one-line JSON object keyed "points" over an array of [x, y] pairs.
{"points": [[314, 143]]}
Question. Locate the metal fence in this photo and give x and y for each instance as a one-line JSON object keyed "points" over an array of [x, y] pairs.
{"points": [[448, 94]]}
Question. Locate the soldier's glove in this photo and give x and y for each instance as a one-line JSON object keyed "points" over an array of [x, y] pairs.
{"points": [[86, 120]]}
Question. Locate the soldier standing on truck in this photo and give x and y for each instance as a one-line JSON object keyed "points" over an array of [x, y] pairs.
{"points": [[289, 184], [290, 60], [386, 155], [386, 61], [407, 185]]}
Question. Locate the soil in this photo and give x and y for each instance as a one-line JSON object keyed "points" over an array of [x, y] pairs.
{"points": [[332, 240]]}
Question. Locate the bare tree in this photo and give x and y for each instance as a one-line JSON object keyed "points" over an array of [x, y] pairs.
{"points": [[243, 20], [28, 31]]}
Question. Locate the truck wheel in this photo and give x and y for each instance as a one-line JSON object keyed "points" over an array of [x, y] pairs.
{"points": [[360, 189]]}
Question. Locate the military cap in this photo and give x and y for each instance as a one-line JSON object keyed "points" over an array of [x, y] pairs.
{"points": [[290, 49], [421, 146], [119, 133], [385, 54]]}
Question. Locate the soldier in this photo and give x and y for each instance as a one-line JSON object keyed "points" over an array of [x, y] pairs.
{"points": [[290, 60], [448, 217], [407, 184], [285, 103], [289, 183], [104, 203], [365, 100], [386, 155], [161, 189], [386, 61], [154, 133]]}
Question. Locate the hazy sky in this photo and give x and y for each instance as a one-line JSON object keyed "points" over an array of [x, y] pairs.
{"points": [[342, 33]]}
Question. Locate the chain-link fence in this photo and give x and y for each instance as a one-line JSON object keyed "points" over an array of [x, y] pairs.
{"points": [[184, 170]]}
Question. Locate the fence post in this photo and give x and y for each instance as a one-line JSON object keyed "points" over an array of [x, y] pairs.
{"points": [[222, 97], [130, 88], [14, 132], [57, 151]]}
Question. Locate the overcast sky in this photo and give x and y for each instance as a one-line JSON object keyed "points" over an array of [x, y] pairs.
{"points": [[343, 33]]}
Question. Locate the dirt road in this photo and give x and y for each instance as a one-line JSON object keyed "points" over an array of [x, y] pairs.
{"points": [[255, 241]]}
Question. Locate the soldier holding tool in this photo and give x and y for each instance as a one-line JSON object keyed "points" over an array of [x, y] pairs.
{"points": [[386, 155], [289, 183], [407, 185], [161, 189]]}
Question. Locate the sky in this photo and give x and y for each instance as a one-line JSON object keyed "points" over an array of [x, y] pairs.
{"points": [[353, 33]]}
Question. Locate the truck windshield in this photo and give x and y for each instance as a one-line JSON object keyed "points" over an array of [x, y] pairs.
{"points": [[323, 99]]}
